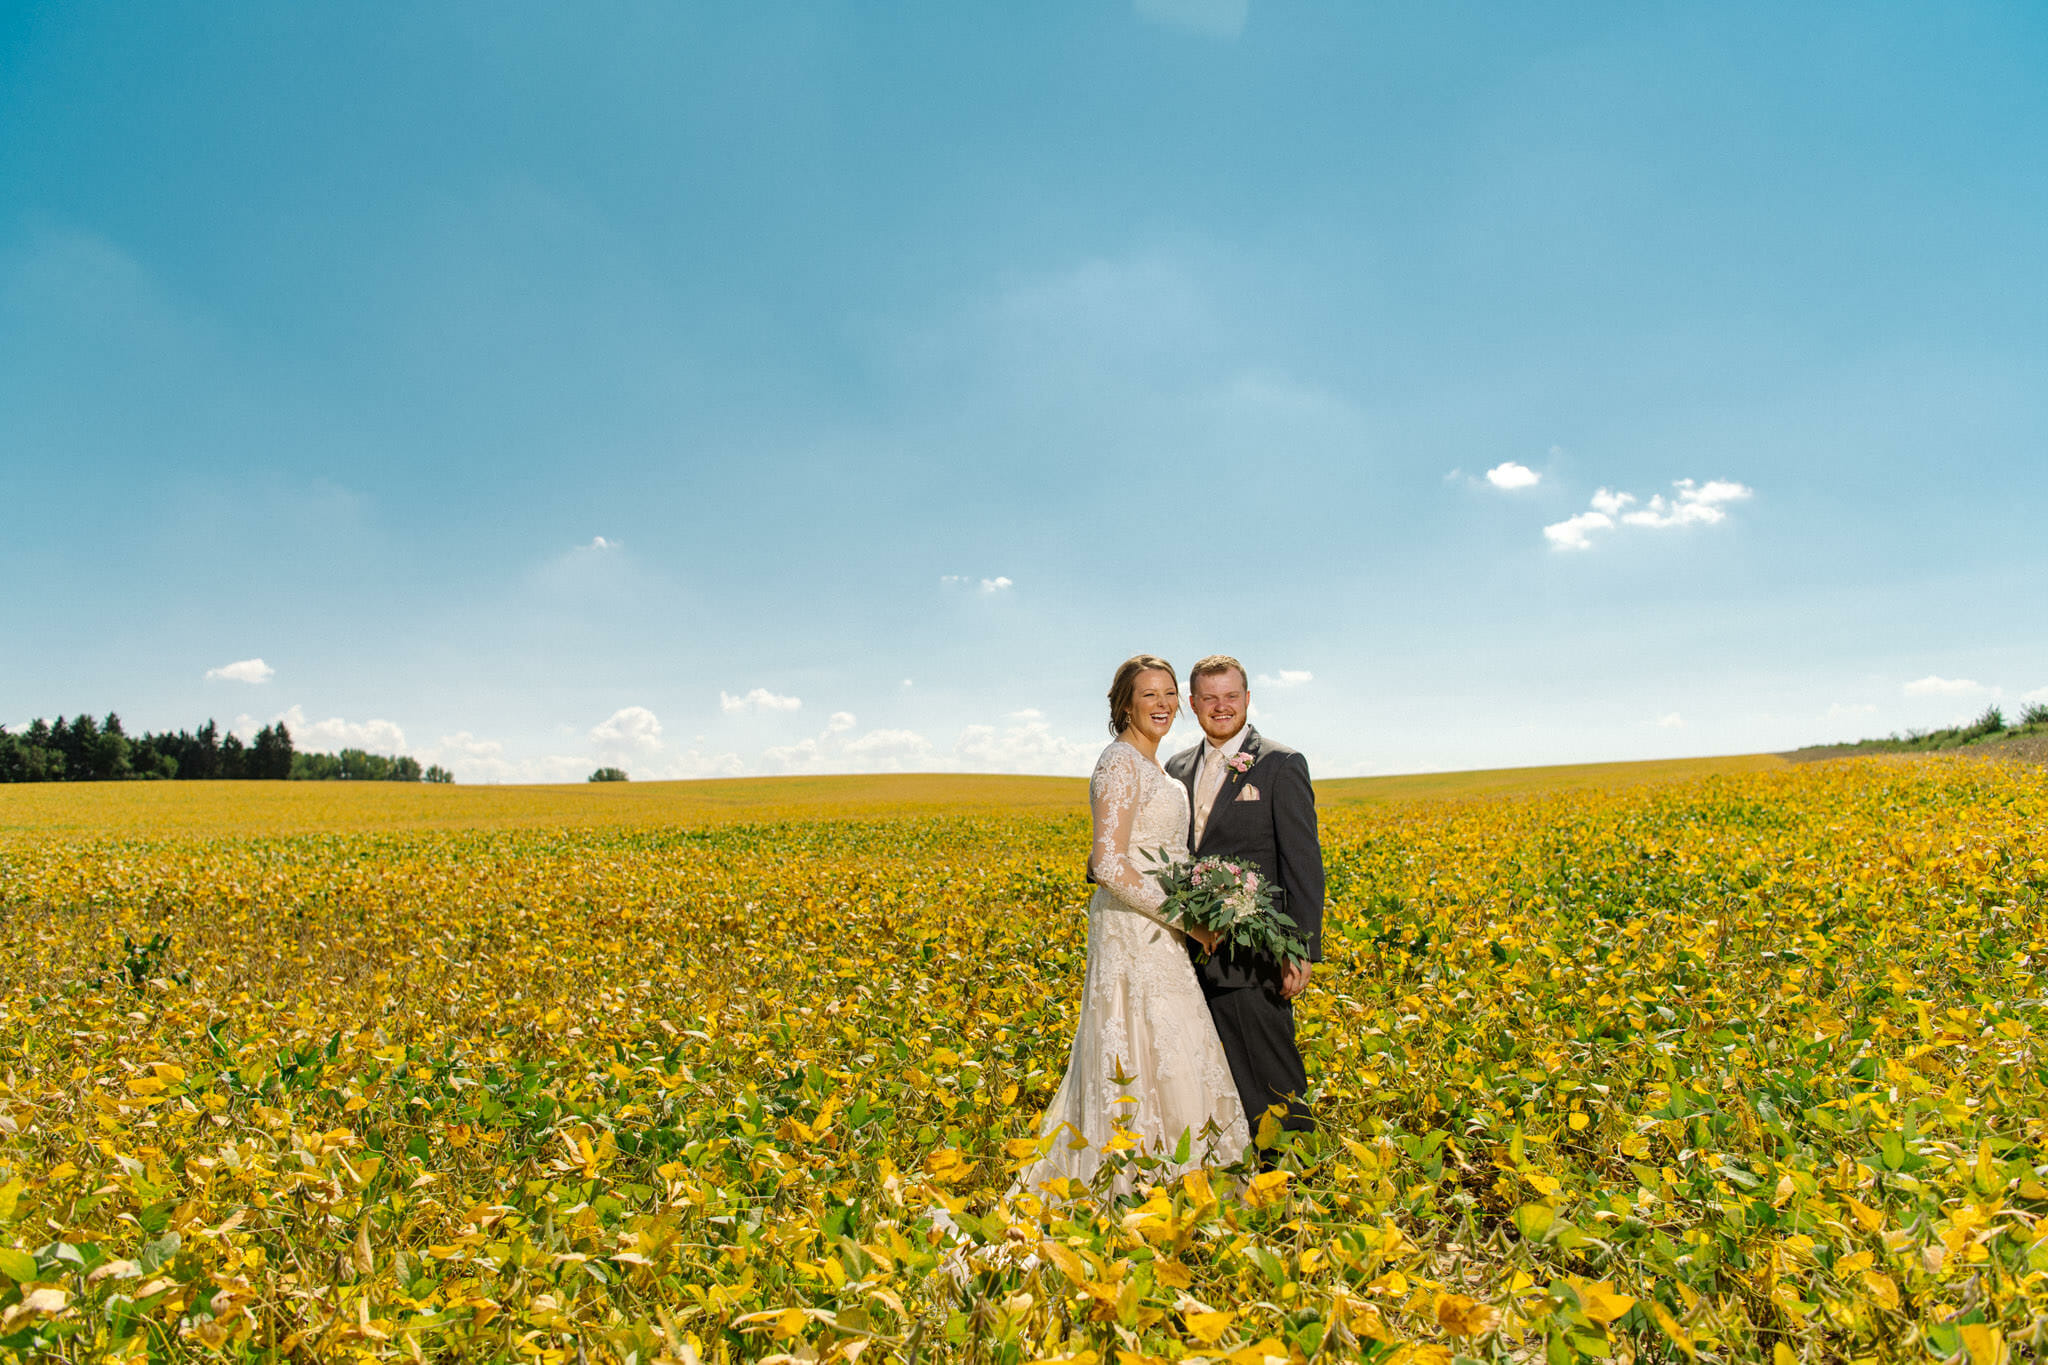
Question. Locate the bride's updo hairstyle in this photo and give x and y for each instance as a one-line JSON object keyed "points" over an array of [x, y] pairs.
{"points": [[1124, 689]]}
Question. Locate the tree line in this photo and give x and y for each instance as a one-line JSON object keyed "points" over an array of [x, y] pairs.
{"points": [[85, 750]]}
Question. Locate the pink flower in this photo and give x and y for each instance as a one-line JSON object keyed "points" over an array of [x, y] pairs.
{"points": [[1240, 762]]}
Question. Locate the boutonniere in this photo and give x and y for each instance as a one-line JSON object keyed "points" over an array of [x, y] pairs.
{"points": [[1239, 762]]}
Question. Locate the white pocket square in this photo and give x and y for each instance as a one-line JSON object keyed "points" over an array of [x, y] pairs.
{"points": [[1250, 793]]}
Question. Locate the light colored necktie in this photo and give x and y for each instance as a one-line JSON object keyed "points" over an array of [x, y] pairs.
{"points": [[1205, 791]]}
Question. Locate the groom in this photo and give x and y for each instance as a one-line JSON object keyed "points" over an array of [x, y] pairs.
{"points": [[1250, 800]]}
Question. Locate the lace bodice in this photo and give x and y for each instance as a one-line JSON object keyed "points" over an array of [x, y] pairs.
{"points": [[1137, 810]]}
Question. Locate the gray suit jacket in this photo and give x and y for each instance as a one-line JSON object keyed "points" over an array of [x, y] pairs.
{"points": [[1275, 833]]}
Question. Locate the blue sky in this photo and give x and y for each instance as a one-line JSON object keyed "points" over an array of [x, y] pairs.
{"points": [[830, 387]]}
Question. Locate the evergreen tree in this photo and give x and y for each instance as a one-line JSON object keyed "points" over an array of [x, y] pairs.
{"points": [[201, 759], [81, 749], [109, 753], [76, 742], [42, 760], [271, 756]]}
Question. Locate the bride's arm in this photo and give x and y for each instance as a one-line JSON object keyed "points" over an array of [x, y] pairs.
{"points": [[1113, 802]]}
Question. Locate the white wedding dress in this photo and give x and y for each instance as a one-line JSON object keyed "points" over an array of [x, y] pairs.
{"points": [[1145, 1057]]}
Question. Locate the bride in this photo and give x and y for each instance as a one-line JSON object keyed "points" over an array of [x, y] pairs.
{"points": [[1145, 1063]]}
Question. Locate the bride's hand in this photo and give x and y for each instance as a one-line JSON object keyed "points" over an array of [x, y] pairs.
{"points": [[1207, 938]]}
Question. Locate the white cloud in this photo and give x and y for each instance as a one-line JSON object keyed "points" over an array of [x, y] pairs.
{"points": [[1210, 18], [1512, 475], [474, 760], [327, 736], [757, 699], [995, 584], [1574, 533], [466, 745], [2038, 694], [244, 671], [600, 543], [1690, 504], [1286, 677], [1671, 721], [1023, 743], [986, 585], [888, 749], [832, 750], [1026, 745], [695, 764], [1933, 686], [632, 727]]}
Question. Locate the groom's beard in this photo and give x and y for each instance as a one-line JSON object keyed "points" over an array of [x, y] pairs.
{"points": [[1220, 740]]}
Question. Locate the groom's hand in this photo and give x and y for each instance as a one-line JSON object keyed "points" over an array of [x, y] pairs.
{"points": [[1294, 978]]}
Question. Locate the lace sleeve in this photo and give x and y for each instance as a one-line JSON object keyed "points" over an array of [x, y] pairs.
{"points": [[1113, 802]]}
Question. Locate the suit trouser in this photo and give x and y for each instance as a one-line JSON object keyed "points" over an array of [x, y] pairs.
{"points": [[1256, 1028]]}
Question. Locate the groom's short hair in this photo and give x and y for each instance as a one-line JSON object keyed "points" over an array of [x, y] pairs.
{"points": [[1214, 664]]}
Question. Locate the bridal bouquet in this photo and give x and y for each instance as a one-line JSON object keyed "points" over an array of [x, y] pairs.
{"points": [[1232, 899]]}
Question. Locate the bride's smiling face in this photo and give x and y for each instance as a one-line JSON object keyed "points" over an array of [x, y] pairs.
{"points": [[1155, 701]]}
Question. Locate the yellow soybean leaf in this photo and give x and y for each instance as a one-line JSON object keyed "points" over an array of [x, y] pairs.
{"points": [[1781, 1354], [1463, 1317], [1064, 1258], [1267, 1188], [1867, 1218], [948, 1166], [1420, 1353], [1208, 1328], [1984, 1344], [1602, 1304], [1668, 1325], [1988, 1177], [1881, 1290], [1533, 1220]]}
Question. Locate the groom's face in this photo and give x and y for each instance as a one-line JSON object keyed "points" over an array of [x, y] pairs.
{"points": [[1220, 701]]}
